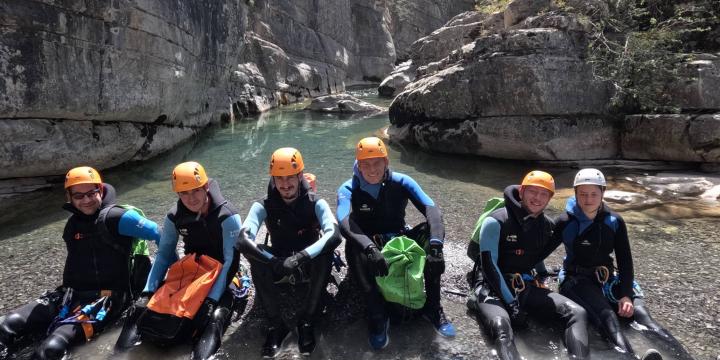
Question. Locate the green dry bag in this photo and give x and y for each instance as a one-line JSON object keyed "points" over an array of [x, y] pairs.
{"points": [[491, 205], [405, 283]]}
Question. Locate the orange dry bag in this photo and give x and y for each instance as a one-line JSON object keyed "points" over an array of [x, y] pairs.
{"points": [[187, 284]]}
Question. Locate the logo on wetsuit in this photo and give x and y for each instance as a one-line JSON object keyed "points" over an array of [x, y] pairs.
{"points": [[511, 238], [585, 242], [183, 231], [365, 207]]}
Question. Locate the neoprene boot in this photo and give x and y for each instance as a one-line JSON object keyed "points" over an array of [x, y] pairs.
{"points": [[274, 339], [652, 354], [306, 337]]}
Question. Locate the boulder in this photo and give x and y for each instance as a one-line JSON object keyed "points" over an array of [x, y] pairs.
{"points": [[518, 10], [692, 138], [515, 137], [343, 103], [397, 80]]}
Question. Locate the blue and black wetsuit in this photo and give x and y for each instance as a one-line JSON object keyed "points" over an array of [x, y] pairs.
{"points": [[373, 214], [305, 224], [512, 243], [589, 246], [96, 265], [213, 235]]}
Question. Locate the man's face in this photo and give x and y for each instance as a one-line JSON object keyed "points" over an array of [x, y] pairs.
{"points": [[535, 199], [85, 197], [589, 198], [287, 186], [194, 199], [373, 170]]}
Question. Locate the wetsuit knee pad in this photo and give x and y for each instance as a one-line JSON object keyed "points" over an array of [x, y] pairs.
{"points": [[12, 324], [53, 347], [501, 328]]}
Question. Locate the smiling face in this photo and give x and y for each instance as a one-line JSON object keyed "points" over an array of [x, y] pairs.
{"points": [[85, 197], [287, 186], [589, 198], [195, 200], [373, 170], [535, 199]]}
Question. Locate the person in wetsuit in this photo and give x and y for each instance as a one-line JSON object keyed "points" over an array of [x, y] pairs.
{"points": [[371, 211], [209, 225], [592, 233], [513, 240], [96, 283], [303, 235]]}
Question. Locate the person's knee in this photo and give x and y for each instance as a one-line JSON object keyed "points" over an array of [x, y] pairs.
{"points": [[11, 324], [573, 312], [501, 328], [53, 347]]}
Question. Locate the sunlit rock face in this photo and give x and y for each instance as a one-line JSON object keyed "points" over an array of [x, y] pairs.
{"points": [[105, 82]]}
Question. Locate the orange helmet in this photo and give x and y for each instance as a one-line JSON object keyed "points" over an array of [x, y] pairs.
{"points": [[187, 176], [370, 147], [541, 179], [82, 175], [286, 161]]}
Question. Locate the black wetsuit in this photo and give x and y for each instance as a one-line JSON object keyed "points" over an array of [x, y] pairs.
{"points": [[513, 242], [292, 228], [589, 245], [96, 265], [364, 216]]}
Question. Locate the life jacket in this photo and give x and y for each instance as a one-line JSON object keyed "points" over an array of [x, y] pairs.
{"points": [[522, 238], [139, 262], [202, 235], [292, 227], [92, 263], [384, 215]]}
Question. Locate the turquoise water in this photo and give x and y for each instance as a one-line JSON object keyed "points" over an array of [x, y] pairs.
{"points": [[237, 155]]}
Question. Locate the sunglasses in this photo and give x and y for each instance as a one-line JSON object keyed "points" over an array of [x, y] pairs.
{"points": [[81, 195]]}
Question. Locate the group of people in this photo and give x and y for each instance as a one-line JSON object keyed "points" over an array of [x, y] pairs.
{"points": [[191, 296], [510, 279]]}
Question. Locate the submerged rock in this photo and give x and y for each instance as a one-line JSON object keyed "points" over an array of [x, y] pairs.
{"points": [[343, 103]]}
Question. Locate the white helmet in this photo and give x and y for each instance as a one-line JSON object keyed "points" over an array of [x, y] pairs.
{"points": [[590, 177]]}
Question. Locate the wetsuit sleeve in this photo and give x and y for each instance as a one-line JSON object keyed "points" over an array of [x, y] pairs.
{"points": [[327, 223], [350, 230], [230, 231], [252, 223], [134, 225], [426, 206], [489, 241], [624, 258], [166, 255]]}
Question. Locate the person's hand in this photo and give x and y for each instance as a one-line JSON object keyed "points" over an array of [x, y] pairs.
{"points": [[376, 261], [625, 307], [518, 317], [205, 313], [292, 263], [143, 300], [435, 259]]}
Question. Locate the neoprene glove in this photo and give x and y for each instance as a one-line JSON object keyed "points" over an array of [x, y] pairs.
{"points": [[205, 313], [518, 317], [292, 263], [376, 261], [435, 259]]}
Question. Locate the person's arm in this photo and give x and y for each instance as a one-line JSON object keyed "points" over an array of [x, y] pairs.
{"points": [[330, 235], [230, 231], [425, 205], [624, 259], [166, 255], [489, 241], [134, 225], [349, 228], [246, 241]]}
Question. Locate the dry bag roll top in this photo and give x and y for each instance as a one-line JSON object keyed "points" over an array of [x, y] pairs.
{"points": [[405, 282]]}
